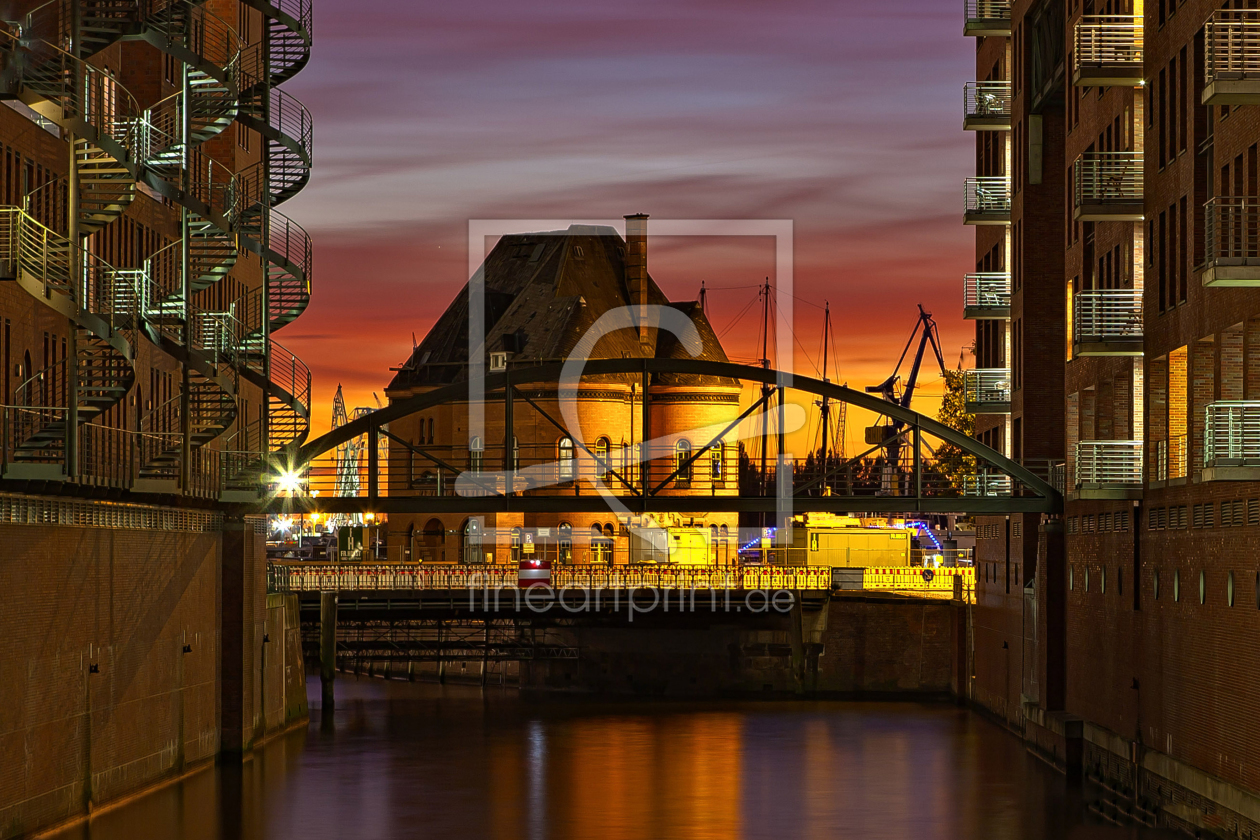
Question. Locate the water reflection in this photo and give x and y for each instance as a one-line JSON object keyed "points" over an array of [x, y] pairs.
{"points": [[403, 760]]}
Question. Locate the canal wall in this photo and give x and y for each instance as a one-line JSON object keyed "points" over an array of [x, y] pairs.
{"points": [[857, 645], [126, 643]]}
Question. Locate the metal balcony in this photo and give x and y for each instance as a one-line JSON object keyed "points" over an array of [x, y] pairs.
{"points": [[1108, 187], [987, 296], [1108, 51], [1107, 322], [987, 391], [986, 17], [1168, 460], [1231, 441], [987, 106], [1232, 241], [986, 485], [1231, 73], [1109, 469], [987, 200]]}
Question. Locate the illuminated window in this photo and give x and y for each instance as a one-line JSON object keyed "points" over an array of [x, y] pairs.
{"points": [[601, 456], [566, 467], [476, 454], [682, 452], [566, 542], [717, 463]]}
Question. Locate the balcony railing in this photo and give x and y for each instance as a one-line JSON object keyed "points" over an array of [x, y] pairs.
{"points": [[987, 390], [987, 296], [1231, 440], [1108, 186], [1108, 50], [987, 199], [1231, 73], [1232, 240], [987, 106], [1108, 322], [1108, 468], [1168, 460], [986, 17], [986, 485]]}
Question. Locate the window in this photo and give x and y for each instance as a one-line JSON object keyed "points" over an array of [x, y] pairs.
{"points": [[472, 541], [1102, 580], [566, 542], [476, 455], [242, 137], [567, 471], [516, 453], [1155, 583], [1202, 586], [1071, 577], [713, 542], [430, 430], [724, 542], [717, 462], [1229, 589], [516, 545], [682, 453], [601, 545], [601, 456], [1176, 584]]}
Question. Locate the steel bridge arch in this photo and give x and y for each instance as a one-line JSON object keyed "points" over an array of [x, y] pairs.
{"points": [[1045, 498]]}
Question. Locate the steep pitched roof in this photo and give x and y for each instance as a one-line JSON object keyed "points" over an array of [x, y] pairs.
{"points": [[549, 288]]}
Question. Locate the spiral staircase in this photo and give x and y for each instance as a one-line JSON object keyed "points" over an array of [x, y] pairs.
{"points": [[117, 146]]}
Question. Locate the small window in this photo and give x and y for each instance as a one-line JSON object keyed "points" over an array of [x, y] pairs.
{"points": [[1102, 580], [1176, 584], [476, 455], [567, 472], [566, 542], [1202, 586], [1229, 589], [1087, 578], [601, 456], [682, 453], [717, 461], [1155, 583], [1071, 577], [578, 253]]}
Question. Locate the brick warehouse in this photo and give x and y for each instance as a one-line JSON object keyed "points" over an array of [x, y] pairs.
{"points": [[144, 266], [1117, 343], [543, 292]]}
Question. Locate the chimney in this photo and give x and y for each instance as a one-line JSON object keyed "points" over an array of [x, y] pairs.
{"points": [[636, 272]]}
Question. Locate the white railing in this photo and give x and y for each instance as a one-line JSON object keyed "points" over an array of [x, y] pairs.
{"points": [[986, 484], [987, 195], [1105, 41], [1108, 178], [1232, 435], [1232, 230], [987, 385], [1107, 315], [1109, 463], [1231, 41], [987, 290], [987, 100]]}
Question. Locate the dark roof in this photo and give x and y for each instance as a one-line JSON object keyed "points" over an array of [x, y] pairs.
{"points": [[550, 288]]}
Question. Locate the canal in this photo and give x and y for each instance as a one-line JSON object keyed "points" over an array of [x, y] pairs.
{"points": [[420, 760]]}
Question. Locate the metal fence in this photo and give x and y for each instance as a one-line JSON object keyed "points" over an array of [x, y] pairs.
{"points": [[987, 290], [1232, 435], [987, 100], [1232, 230], [987, 385], [1105, 41], [987, 484], [1107, 315], [987, 195], [976, 11], [1109, 463], [1231, 41], [1108, 178]]}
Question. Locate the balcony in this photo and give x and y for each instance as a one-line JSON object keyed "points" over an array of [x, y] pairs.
{"points": [[1109, 469], [987, 200], [1231, 441], [987, 106], [987, 391], [987, 296], [986, 17], [986, 485], [1232, 242], [1108, 187], [1107, 322], [1169, 460], [1231, 41], [1108, 51]]}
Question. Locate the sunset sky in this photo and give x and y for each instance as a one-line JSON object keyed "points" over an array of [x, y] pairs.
{"points": [[843, 117]]}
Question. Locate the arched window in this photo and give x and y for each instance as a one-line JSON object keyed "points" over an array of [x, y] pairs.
{"points": [[476, 454], [601, 546], [472, 541], [566, 542], [724, 545], [682, 451], [516, 545], [601, 456], [713, 543], [717, 464], [431, 439], [566, 472], [432, 540]]}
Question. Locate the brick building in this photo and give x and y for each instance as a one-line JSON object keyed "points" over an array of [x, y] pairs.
{"points": [[543, 293], [144, 266], [1117, 341]]}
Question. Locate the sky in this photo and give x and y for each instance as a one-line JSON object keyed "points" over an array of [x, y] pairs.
{"points": [[844, 118]]}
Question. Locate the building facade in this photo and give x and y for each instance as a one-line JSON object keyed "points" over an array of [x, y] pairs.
{"points": [[1116, 194], [144, 150], [543, 294]]}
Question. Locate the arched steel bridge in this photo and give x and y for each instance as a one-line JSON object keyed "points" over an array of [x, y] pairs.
{"points": [[869, 482]]}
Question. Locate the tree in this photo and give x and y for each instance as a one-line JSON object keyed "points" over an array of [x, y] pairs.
{"points": [[952, 462]]}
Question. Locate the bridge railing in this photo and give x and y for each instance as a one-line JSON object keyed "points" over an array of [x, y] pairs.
{"points": [[407, 577]]}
